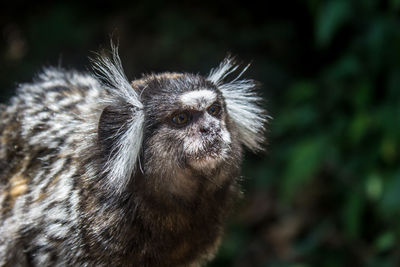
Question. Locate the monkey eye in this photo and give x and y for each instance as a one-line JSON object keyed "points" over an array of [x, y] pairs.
{"points": [[181, 119], [214, 109]]}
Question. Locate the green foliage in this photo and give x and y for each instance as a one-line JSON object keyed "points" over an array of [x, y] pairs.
{"points": [[334, 145], [331, 16], [303, 162]]}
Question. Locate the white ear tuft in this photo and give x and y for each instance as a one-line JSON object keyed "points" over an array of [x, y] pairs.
{"points": [[125, 151], [121, 165], [110, 72], [242, 102]]}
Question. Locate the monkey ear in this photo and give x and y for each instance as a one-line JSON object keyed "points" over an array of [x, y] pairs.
{"points": [[120, 129], [120, 134], [242, 103]]}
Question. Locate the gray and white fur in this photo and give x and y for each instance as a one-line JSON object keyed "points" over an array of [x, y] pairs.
{"points": [[96, 170]]}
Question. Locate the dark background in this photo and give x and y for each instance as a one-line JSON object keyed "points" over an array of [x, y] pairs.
{"points": [[327, 190]]}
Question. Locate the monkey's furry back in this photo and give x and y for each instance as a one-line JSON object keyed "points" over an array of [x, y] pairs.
{"points": [[44, 131], [71, 193]]}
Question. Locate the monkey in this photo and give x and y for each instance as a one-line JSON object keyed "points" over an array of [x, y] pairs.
{"points": [[97, 171]]}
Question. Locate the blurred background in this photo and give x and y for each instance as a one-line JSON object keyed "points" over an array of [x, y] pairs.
{"points": [[327, 190]]}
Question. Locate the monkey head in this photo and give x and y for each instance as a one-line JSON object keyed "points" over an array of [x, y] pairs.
{"points": [[179, 130]]}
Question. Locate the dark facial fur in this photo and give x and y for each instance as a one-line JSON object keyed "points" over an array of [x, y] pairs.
{"points": [[198, 148], [99, 173]]}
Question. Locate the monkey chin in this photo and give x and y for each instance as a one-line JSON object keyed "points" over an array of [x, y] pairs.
{"points": [[206, 161]]}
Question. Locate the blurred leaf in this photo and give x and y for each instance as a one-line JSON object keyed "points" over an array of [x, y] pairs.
{"points": [[362, 96], [387, 118], [345, 67], [385, 241], [391, 197], [352, 214], [304, 161], [358, 127], [290, 120], [389, 149], [376, 42], [308, 243], [301, 91], [394, 85], [332, 16], [374, 186]]}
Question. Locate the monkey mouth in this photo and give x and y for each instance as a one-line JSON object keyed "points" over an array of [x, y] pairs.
{"points": [[208, 157], [205, 153]]}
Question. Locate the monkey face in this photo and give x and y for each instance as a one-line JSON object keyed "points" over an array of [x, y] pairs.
{"points": [[187, 125], [190, 138], [204, 138], [201, 144]]}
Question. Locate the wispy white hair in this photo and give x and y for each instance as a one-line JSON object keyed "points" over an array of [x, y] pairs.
{"points": [[125, 152], [243, 104]]}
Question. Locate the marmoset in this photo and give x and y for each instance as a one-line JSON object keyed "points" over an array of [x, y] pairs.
{"points": [[99, 171]]}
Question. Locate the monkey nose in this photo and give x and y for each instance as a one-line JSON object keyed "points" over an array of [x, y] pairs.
{"points": [[204, 129]]}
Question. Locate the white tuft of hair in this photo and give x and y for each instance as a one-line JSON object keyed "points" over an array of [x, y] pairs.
{"points": [[242, 103], [125, 153], [110, 72]]}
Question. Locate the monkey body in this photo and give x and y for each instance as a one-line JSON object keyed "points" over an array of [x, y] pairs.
{"points": [[99, 171]]}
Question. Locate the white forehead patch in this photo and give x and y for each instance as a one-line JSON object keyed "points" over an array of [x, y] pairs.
{"points": [[200, 99]]}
